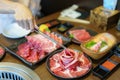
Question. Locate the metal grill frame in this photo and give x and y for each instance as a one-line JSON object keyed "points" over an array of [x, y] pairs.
{"points": [[13, 71], [9, 76]]}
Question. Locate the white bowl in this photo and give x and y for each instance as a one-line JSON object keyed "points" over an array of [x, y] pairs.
{"points": [[14, 31]]}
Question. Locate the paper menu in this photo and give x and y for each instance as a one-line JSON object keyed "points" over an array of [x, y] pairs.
{"points": [[109, 4]]}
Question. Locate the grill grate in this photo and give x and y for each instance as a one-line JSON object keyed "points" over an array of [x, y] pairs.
{"points": [[10, 76], [12, 71]]}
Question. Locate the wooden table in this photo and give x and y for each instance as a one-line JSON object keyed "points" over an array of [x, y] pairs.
{"points": [[41, 69]]}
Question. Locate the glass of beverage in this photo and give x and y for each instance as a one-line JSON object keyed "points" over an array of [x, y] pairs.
{"points": [[109, 4]]}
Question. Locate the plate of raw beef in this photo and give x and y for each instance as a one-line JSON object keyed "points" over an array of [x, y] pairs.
{"points": [[68, 64], [80, 34], [34, 48]]}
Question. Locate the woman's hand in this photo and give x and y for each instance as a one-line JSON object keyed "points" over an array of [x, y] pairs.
{"points": [[21, 13], [24, 16]]}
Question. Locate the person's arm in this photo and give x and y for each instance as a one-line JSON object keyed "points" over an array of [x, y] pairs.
{"points": [[25, 2], [6, 7], [21, 13]]}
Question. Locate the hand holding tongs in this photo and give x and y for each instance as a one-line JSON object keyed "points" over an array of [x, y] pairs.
{"points": [[46, 36]]}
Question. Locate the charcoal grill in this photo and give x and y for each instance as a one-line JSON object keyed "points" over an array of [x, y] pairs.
{"points": [[13, 71]]}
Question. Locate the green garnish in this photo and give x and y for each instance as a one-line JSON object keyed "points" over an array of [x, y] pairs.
{"points": [[103, 44], [47, 29], [90, 44], [71, 36], [118, 46]]}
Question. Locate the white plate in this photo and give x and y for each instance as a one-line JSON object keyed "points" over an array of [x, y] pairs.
{"points": [[14, 31]]}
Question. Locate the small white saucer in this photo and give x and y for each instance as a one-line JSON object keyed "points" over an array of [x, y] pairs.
{"points": [[14, 31]]}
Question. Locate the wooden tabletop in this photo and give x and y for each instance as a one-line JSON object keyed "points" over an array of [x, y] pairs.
{"points": [[41, 69]]}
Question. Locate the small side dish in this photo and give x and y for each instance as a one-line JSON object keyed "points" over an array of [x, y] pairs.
{"points": [[13, 30], [80, 34], [105, 69], [64, 27], [110, 64], [69, 64], [99, 45]]}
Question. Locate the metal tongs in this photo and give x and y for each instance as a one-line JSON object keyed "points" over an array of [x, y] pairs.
{"points": [[46, 36]]}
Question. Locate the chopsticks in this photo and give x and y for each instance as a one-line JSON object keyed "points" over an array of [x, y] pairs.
{"points": [[46, 36], [74, 20]]}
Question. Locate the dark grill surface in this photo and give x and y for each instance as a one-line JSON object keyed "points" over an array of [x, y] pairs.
{"points": [[13, 71], [10, 76]]}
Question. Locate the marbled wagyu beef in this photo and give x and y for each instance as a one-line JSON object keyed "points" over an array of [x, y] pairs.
{"points": [[80, 34], [69, 64], [37, 47]]}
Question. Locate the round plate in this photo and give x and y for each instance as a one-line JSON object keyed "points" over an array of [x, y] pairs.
{"points": [[61, 78], [14, 31], [91, 32]]}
